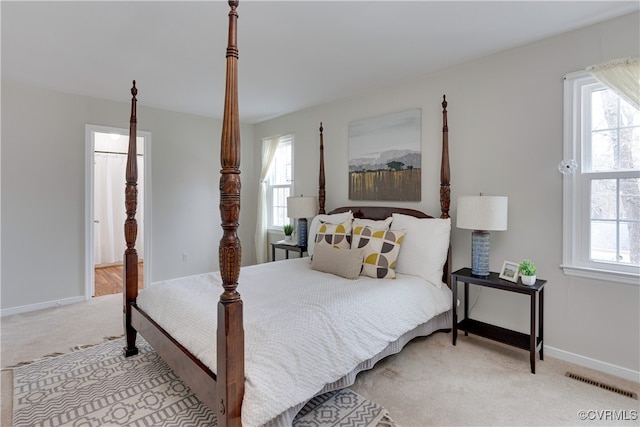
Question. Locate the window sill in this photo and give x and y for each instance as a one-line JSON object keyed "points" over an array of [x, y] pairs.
{"points": [[598, 274]]}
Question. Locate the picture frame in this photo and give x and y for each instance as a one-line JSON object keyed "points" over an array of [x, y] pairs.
{"points": [[510, 271], [385, 157]]}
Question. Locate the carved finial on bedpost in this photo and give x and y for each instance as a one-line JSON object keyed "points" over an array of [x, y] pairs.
{"points": [[445, 192], [130, 276], [321, 183], [232, 46], [230, 333]]}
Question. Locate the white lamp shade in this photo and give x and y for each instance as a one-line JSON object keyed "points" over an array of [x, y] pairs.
{"points": [[482, 213], [302, 207]]}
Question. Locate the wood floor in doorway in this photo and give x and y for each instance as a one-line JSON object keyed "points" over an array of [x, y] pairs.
{"points": [[109, 280]]}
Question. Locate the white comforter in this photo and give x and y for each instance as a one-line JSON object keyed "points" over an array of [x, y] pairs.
{"points": [[303, 328]]}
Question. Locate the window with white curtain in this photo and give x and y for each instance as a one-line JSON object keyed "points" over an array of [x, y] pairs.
{"points": [[280, 183], [602, 196]]}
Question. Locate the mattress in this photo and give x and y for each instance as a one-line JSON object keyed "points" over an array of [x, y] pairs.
{"points": [[304, 329]]}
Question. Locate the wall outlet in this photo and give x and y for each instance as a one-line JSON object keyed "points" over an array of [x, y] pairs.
{"points": [[185, 257]]}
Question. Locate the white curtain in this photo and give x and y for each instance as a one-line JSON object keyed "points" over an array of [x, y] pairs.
{"points": [[109, 208], [622, 76], [269, 147]]}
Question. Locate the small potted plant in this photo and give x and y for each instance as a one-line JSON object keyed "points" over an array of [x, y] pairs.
{"points": [[527, 272], [288, 231]]}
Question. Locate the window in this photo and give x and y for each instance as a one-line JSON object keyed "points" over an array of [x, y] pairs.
{"points": [[602, 197], [280, 183]]}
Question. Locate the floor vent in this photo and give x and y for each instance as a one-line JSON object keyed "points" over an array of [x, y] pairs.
{"points": [[627, 393]]}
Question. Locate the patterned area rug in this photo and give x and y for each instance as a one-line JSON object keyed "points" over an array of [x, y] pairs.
{"points": [[97, 386]]}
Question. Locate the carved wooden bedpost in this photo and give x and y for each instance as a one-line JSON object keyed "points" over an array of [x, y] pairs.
{"points": [[130, 276], [445, 190], [321, 183], [230, 334], [445, 193]]}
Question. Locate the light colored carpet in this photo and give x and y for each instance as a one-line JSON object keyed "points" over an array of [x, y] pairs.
{"points": [[482, 383], [431, 382], [98, 386]]}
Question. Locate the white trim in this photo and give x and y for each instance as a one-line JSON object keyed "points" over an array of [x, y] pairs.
{"points": [[89, 274], [602, 275], [571, 150], [40, 306], [588, 362], [576, 258], [290, 139]]}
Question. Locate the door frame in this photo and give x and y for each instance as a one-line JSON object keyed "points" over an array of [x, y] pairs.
{"points": [[89, 275]]}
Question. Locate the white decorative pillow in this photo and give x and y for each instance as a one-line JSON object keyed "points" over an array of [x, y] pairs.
{"points": [[315, 224], [380, 250], [345, 263], [334, 235], [382, 224], [425, 246]]}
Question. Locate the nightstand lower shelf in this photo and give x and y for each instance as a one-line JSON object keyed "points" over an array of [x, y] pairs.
{"points": [[497, 333], [532, 342]]}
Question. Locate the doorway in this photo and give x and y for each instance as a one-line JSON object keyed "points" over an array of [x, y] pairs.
{"points": [[105, 184]]}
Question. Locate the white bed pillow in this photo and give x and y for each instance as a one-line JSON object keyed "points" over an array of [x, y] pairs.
{"points": [[315, 225], [382, 224], [425, 246]]}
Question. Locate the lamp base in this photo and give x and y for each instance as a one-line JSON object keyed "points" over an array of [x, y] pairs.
{"points": [[480, 253], [302, 232]]}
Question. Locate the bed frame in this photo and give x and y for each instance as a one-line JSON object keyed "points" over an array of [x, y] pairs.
{"points": [[223, 392]]}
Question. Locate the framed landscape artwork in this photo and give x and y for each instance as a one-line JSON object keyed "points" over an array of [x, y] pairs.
{"points": [[509, 271], [385, 157]]}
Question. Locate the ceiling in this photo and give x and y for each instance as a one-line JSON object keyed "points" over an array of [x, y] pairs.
{"points": [[293, 54]]}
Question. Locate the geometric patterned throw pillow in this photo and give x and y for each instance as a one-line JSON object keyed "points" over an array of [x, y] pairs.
{"points": [[334, 235], [380, 249]]}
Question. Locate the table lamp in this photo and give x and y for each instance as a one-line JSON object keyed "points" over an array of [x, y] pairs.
{"points": [[301, 208], [481, 214]]}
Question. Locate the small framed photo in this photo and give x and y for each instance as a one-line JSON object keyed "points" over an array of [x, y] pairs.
{"points": [[509, 271]]}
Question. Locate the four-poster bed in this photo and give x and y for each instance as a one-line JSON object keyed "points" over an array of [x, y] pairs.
{"points": [[260, 385]]}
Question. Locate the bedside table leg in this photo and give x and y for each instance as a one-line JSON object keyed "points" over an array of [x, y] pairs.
{"points": [[532, 336], [540, 321], [466, 305], [454, 310]]}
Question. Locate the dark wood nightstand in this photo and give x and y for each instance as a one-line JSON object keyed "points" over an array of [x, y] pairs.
{"points": [[517, 339], [294, 248]]}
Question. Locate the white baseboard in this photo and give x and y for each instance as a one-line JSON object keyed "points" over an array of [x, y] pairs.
{"points": [[587, 362], [40, 306]]}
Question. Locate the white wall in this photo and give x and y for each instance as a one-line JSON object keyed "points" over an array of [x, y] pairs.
{"points": [[43, 201], [505, 132]]}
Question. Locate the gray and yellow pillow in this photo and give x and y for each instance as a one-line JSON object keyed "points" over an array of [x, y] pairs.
{"points": [[380, 250], [334, 235]]}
